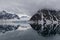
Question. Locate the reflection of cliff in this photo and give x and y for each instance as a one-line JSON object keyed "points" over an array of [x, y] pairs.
{"points": [[5, 15], [46, 30], [5, 28], [46, 15]]}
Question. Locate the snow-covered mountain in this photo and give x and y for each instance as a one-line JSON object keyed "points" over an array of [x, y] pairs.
{"points": [[5, 15]]}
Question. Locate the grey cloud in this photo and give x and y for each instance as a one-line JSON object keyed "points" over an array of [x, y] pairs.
{"points": [[28, 7]]}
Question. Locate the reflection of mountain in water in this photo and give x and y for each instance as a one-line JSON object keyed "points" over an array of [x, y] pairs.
{"points": [[5, 28], [46, 30]]}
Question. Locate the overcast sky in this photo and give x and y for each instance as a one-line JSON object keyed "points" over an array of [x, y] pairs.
{"points": [[28, 7]]}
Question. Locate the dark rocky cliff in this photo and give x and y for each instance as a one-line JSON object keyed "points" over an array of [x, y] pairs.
{"points": [[47, 14]]}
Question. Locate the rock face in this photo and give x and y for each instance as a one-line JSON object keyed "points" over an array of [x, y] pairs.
{"points": [[5, 15], [46, 14]]}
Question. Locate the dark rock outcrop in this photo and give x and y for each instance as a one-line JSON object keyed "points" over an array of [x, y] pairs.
{"points": [[47, 14]]}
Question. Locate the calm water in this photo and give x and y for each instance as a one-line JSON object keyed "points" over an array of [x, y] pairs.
{"points": [[24, 31]]}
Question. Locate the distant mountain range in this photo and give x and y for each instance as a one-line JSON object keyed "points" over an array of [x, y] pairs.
{"points": [[24, 17]]}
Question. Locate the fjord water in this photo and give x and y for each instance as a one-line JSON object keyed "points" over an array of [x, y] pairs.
{"points": [[27, 31]]}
